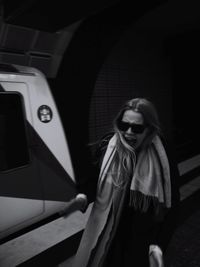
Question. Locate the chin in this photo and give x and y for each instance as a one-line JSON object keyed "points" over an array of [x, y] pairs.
{"points": [[131, 141]]}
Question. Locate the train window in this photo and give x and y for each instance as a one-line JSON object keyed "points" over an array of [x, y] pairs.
{"points": [[13, 138]]}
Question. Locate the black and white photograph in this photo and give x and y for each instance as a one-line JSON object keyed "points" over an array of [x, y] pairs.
{"points": [[99, 133]]}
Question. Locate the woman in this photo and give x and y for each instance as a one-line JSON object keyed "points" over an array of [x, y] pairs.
{"points": [[134, 194]]}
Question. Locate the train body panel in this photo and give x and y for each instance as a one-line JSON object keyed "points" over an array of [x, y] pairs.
{"points": [[36, 171]]}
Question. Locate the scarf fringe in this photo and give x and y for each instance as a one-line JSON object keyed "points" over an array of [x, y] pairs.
{"points": [[142, 202], [151, 175]]}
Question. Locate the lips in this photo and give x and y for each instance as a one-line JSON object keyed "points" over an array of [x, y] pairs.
{"points": [[130, 138]]}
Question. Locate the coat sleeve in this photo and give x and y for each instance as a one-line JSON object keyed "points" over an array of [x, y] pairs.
{"points": [[168, 226], [89, 187]]}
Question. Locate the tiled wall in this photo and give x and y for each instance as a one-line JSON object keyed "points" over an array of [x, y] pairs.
{"points": [[133, 69], [112, 89]]}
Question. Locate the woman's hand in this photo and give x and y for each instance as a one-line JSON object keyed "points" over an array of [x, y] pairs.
{"points": [[155, 256], [80, 203]]}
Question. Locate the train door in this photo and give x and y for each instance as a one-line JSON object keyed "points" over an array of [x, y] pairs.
{"points": [[21, 191]]}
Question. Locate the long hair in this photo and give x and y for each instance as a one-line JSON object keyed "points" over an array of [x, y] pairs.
{"points": [[125, 157]]}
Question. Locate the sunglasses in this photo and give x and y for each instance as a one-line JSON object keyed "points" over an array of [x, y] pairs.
{"points": [[135, 128]]}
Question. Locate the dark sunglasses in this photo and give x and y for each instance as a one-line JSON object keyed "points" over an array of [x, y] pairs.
{"points": [[135, 128]]}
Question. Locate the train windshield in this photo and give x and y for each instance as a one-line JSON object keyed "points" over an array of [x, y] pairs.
{"points": [[13, 135]]}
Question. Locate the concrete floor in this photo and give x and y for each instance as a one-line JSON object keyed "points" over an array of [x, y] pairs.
{"points": [[20, 249]]}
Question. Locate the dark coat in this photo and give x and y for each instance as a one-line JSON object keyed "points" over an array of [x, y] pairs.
{"points": [[117, 235]]}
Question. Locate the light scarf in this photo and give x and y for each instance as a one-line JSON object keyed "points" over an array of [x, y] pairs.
{"points": [[151, 176]]}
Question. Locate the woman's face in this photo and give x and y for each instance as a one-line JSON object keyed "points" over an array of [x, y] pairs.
{"points": [[132, 128]]}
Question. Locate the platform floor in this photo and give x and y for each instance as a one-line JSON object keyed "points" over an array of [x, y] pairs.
{"points": [[184, 249]]}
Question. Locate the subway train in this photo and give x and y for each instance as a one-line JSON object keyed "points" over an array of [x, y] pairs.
{"points": [[35, 161]]}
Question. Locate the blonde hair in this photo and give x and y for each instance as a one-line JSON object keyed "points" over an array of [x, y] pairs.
{"points": [[125, 158]]}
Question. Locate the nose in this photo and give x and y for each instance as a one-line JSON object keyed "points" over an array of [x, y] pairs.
{"points": [[129, 131]]}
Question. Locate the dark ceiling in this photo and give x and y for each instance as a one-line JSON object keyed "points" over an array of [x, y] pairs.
{"points": [[48, 15], [32, 31], [51, 16]]}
